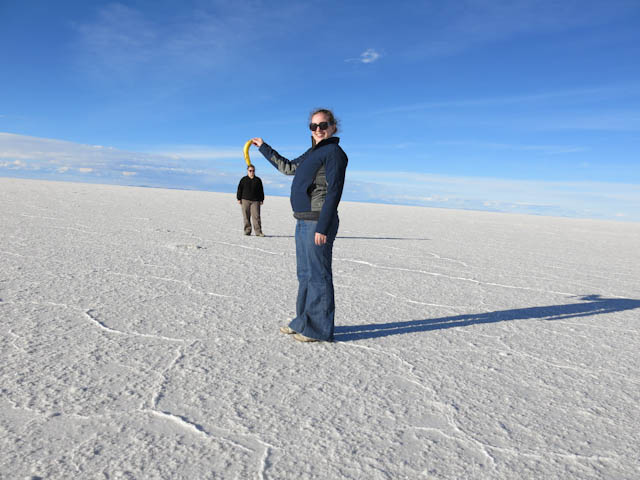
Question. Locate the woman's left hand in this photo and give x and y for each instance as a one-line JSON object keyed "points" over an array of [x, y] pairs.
{"points": [[320, 239]]}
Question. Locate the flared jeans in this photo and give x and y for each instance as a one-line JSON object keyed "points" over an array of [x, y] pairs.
{"points": [[315, 305]]}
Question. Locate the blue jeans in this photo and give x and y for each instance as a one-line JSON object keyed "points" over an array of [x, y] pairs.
{"points": [[315, 306]]}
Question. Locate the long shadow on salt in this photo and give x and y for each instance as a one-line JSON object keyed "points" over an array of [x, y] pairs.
{"points": [[339, 237], [593, 305]]}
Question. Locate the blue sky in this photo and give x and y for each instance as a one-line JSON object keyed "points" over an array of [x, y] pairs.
{"points": [[527, 106]]}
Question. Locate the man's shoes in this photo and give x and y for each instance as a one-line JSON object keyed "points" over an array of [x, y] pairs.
{"points": [[287, 330], [260, 234], [301, 338], [247, 233]]}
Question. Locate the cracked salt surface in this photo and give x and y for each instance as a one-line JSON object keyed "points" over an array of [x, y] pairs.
{"points": [[141, 341]]}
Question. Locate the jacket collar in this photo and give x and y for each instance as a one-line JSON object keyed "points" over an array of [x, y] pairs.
{"points": [[326, 141]]}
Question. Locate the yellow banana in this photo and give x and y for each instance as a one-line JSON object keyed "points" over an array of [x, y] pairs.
{"points": [[245, 150]]}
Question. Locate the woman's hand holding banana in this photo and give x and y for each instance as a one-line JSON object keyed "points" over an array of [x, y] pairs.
{"points": [[257, 141]]}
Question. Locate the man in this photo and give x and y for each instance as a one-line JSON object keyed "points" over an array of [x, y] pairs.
{"points": [[250, 196]]}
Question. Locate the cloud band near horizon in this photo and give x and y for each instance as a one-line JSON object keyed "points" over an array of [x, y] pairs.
{"points": [[219, 169]]}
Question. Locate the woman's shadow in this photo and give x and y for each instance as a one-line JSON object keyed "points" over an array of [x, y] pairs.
{"points": [[593, 305]]}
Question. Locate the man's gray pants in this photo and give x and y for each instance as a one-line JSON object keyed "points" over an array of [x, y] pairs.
{"points": [[251, 210]]}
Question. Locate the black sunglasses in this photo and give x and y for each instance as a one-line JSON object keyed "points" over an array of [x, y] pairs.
{"points": [[322, 125]]}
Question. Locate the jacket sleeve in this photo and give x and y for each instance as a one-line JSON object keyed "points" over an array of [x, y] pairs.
{"points": [[260, 191], [336, 169], [240, 188], [288, 167]]}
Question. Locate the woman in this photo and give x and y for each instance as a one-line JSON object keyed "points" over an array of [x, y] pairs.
{"points": [[315, 194]]}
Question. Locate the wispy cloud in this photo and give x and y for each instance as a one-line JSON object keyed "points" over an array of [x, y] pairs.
{"points": [[459, 26], [121, 42], [58, 157], [590, 95], [370, 55], [620, 121], [604, 108], [573, 199], [120, 37], [200, 37], [545, 149], [197, 152]]}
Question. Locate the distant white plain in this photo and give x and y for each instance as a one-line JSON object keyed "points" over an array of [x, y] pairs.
{"points": [[140, 340]]}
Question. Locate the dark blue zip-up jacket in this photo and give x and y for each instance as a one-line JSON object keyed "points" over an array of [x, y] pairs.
{"points": [[318, 182]]}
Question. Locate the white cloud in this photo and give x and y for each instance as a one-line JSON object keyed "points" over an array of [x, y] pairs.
{"points": [[183, 167], [369, 56], [204, 167], [22, 150], [13, 165], [574, 199]]}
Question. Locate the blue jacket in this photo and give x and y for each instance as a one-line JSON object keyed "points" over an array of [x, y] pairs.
{"points": [[318, 182]]}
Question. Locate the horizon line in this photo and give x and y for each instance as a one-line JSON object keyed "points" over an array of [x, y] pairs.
{"points": [[620, 219]]}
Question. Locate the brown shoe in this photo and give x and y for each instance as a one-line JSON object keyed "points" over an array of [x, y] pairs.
{"points": [[287, 330], [260, 234], [301, 338]]}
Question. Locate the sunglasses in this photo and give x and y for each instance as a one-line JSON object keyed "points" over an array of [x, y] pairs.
{"points": [[322, 125]]}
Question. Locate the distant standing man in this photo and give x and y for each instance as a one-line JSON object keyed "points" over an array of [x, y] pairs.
{"points": [[250, 196]]}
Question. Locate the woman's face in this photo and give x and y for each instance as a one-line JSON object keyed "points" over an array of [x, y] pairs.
{"points": [[319, 134]]}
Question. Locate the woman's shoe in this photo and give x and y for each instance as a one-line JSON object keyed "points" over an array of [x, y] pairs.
{"points": [[301, 338]]}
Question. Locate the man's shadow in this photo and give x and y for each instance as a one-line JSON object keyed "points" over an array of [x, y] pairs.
{"points": [[593, 305]]}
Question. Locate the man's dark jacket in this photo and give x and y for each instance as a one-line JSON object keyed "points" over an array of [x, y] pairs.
{"points": [[250, 189]]}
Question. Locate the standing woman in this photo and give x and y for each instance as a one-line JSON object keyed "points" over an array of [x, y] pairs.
{"points": [[316, 189]]}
